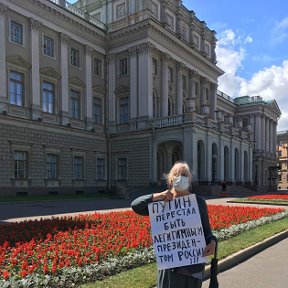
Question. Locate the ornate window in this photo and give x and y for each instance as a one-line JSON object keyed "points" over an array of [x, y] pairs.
{"points": [[97, 110], [100, 168], [75, 57], [122, 168], [52, 166], [97, 67], [16, 32], [123, 110], [48, 97], [20, 164], [16, 88], [75, 104], [48, 46], [123, 67], [78, 168]]}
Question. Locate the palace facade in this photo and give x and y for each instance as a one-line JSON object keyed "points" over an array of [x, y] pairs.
{"points": [[107, 95]]}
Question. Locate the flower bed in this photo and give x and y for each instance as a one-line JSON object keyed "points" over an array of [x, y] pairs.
{"points": [[42, 252]]}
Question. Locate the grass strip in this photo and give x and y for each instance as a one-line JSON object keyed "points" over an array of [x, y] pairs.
{"points": [[259, 201], [145, 276]]}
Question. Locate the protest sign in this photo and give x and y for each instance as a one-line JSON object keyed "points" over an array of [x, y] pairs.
{"points": [[177, 232]]}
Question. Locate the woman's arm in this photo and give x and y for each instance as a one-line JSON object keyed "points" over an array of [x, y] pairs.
{"points": [[140, 204]]}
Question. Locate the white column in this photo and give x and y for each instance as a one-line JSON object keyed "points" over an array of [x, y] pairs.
{"points": [[258, 131], [64, 79], [88, 94], [3, 72], [232, 161], [267, 134], [133, 83], [35, 70], [111, 87], [195, 158], [164, 86], [213, 100], [192, 92], [221, 164], [208, 159], [179, 97], [203, 101], [241, 162], [274, 124], [145, 105], [250, 164], [271, 138], [263, 130]]}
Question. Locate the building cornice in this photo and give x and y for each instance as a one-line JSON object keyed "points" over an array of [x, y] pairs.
{"points": [[51, 10], [156, 34]]}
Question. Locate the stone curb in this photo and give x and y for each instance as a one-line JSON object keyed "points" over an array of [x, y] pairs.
{"points": [[245, 254]]}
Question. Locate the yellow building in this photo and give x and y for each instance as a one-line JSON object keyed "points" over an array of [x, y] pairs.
{"points": [[282, 150]]}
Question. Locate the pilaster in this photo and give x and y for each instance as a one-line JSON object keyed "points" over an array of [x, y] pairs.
{"points": [[3, 72], [88, 94], [133, 83], [179, 98], [164, 85], [35, 70], [111, 87], [145, 105], [64, 78], [213, 100]]}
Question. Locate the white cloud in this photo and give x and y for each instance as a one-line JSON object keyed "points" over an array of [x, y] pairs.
{"points": [[271, 83], [280, 32]]}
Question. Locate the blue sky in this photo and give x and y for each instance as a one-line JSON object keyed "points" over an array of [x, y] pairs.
{"points": [[252, 47]]}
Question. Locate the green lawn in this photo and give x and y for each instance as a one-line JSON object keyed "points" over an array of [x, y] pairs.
{"points": [[259, 201], [145, 276]]}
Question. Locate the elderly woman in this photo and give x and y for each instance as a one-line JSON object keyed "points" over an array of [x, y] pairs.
{"points": [[179, 183]]}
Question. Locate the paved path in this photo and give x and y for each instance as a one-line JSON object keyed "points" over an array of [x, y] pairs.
{"points": [[17, 211], [267, 269], [13, 212]]}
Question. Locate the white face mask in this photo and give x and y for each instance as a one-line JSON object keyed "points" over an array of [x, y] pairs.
{"points": [[181, 183]]}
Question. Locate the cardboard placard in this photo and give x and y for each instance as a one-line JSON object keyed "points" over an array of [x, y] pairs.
{"points": [[177, 232]]}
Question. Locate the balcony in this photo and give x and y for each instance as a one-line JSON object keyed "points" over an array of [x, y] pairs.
{"points": [[145, 123]]}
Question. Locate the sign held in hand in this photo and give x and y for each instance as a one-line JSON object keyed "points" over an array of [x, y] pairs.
{"points": [[177, 232]]}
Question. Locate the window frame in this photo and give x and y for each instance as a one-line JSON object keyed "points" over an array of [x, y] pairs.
{"points": [[123, 66], [78, 167], [53, 96], [11, 37], [122, 169], [74, 57], [123, 110], [47, 54], [15, 82], [97, 67], [98, 103], [20, 162], [73, 108], [55, 165], [100, 168]]}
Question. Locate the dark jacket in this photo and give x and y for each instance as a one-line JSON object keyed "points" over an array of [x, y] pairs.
{"points": [[140, 206]]}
